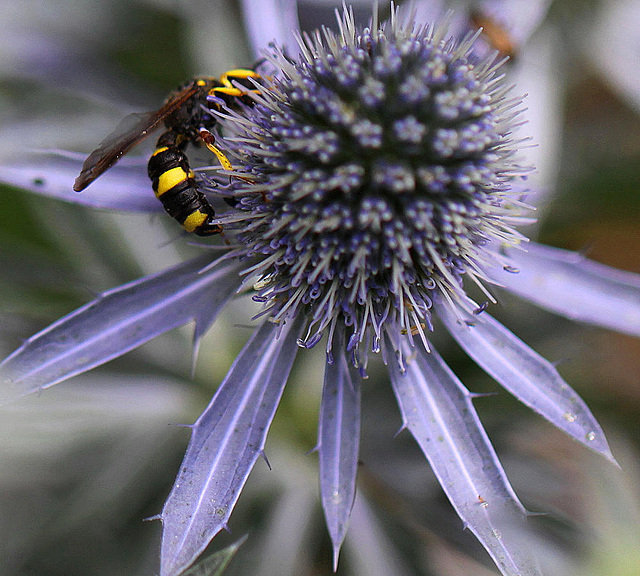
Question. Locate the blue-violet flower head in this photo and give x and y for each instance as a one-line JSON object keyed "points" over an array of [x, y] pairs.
{"points": [[383, 167]]}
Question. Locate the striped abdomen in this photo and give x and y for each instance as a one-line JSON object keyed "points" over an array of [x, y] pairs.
{"points": [[174, 185]]}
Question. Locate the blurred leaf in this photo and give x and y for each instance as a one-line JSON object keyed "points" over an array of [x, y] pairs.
{"points": [[154, 52], [216, 563]]}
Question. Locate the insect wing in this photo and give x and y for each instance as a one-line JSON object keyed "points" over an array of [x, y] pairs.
{"points": [[127, 134], [132, 129]]}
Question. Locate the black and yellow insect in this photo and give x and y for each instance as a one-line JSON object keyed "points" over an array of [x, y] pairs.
{"points": [[188, 117]]}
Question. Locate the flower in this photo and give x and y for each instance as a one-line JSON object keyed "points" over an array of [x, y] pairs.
{"points": [[375, 178], [384, 163]]}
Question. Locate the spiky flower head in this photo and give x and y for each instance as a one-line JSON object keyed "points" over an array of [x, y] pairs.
{"points": [[382, 167]]}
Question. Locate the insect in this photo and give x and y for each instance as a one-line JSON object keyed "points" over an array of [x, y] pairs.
{"points": [[494, 33], [188, 117]]}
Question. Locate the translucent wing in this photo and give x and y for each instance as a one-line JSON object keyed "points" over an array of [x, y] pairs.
{"points": [[132, 130]]}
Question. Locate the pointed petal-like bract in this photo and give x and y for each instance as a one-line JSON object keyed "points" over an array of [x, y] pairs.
{"points": [[527, 375], [116, 322], [271, 21], [569, 284], [52, 173], [372, 548], [438, 411], [338, 442], [225, 443], [616, 27]]}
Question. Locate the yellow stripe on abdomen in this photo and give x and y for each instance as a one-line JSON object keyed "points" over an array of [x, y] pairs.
{"points": [[169, 179], [159, 150], [195, 219]]}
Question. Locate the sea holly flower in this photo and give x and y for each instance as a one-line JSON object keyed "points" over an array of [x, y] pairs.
{"points": [[375, 179]]}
